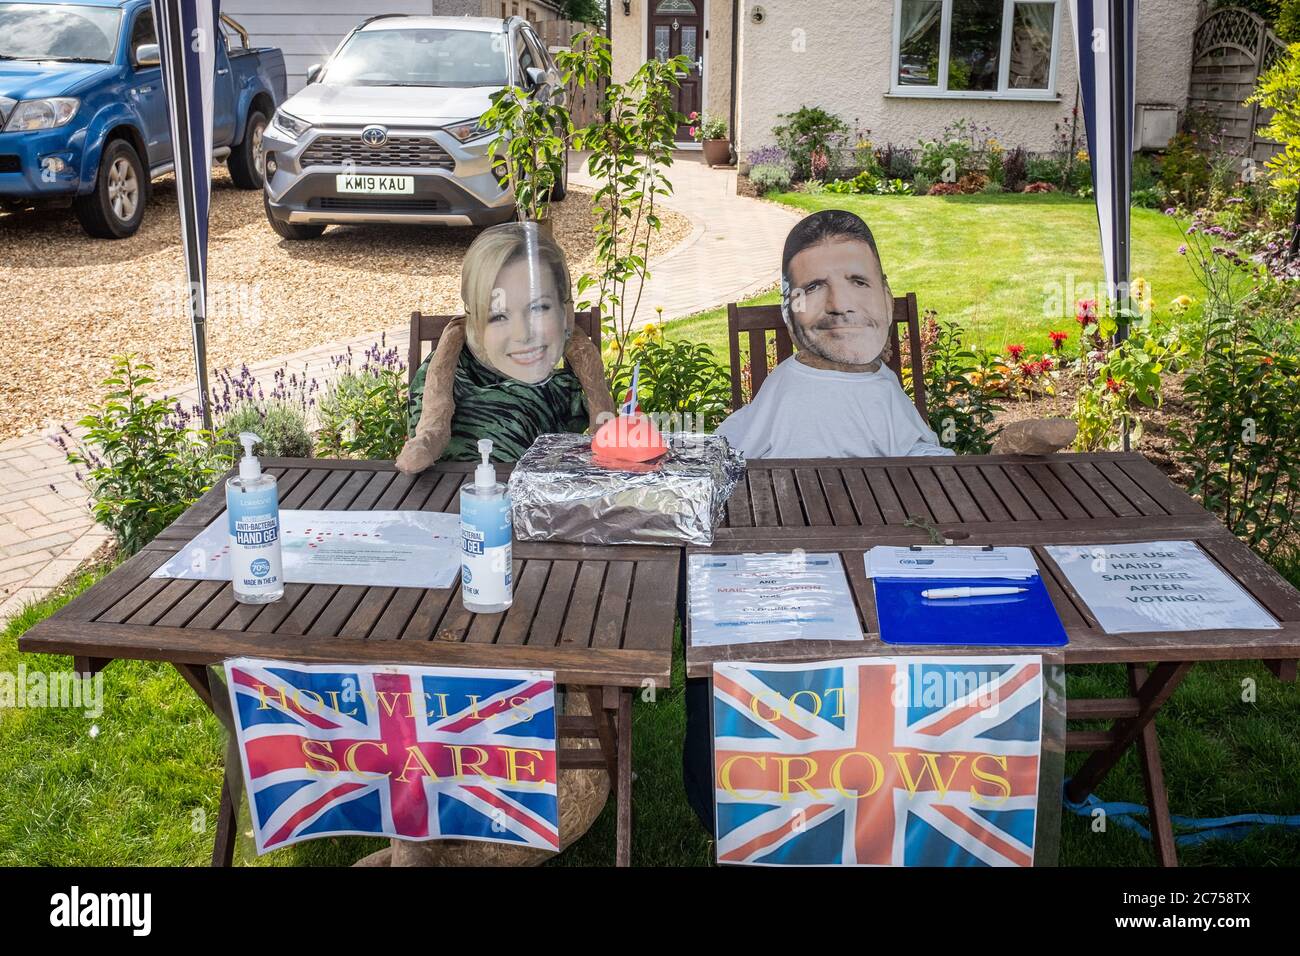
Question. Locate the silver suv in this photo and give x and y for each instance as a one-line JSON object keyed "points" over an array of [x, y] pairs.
{"points": [[387, 129]]}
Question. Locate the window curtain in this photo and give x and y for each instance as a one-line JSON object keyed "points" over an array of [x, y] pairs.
{"points": [[1031, 46], [917, 16]]}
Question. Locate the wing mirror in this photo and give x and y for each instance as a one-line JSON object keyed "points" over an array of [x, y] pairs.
{"points": [[146, 54], [313, 72]]}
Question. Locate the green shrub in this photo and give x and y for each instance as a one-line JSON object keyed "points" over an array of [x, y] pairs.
{"points": [[281, 426], [144, 464], [768, 178], [961, 409], [678, 378], [1185, 172], [861, 184], [364, 415], [1045, 169], [810, 136]]}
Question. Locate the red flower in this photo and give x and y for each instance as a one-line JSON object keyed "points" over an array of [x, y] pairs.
{"points": [[1058, 339], [1045, 364], [1112, 385], [1085, 311], [1266, 360], [1015, 351], [1029, 369]]}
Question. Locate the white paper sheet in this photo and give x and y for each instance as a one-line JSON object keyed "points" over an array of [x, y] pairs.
{"points": [[1158, 586], [950, 561], [399, 549], [751, 598]]}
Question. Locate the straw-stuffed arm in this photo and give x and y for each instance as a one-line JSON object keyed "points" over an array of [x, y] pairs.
{"points": [[1038, 436], [589, 368], [434, 429]]}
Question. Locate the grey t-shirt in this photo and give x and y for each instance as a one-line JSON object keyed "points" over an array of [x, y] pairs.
{"points": [[805, 412]]}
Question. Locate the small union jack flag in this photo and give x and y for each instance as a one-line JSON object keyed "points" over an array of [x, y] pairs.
{"points": [[631, 406], [418, 753], [924, 761]]}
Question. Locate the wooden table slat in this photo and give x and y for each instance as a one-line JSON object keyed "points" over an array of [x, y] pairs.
{"points": [[1099, 483], [549, 620], [763, 498], [1030, 490], [813, 497], [909, 493], [738, 507], [611, 613], [967, 509], [986, 498], [1057, 493], [788, 504], [1130, 489], [580, 618], [163, 601], [304, 488], [1150, 479], [529, 588], [936, 499], [1008, 495], [376, 485], [347, 494], [864, 502], [1083, 493], [837, 497], [395, 492], [886, 498], [654, 596]]}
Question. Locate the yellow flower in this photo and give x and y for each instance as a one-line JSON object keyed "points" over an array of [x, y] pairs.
{"points": [[994, 146], [1140, 289], [1181, 304], [1081, 155]]}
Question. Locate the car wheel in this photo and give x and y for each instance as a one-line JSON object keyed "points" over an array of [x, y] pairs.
{"points": [[561, 189], [247, 162], [291, 230], [114, 209]]}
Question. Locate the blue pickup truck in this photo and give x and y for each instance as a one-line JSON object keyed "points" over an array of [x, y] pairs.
{"points": [[83, 113]]}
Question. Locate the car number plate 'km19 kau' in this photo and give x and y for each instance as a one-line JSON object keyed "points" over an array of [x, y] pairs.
{"points": [[375, 184]]}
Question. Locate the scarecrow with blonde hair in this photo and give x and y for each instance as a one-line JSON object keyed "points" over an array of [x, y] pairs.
{"points": [[518, 326]]}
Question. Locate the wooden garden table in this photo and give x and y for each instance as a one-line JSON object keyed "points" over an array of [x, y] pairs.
{"points": [[601, 617], [849, 505]]}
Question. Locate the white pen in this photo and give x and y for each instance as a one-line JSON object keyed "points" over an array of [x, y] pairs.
{"points": [[936, 594]]}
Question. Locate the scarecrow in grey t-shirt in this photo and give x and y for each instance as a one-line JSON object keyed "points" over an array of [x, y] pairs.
{"points": [[836, 397]]}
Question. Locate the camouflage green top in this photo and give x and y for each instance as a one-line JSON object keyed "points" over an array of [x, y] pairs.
{"points": [[510, 412]]}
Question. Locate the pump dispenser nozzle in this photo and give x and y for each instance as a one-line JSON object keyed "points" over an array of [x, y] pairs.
{"points": [[485, 476], [249, 466]]}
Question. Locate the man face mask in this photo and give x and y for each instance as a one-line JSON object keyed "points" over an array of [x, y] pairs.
{"points": [[838, 304], [518, 308]]}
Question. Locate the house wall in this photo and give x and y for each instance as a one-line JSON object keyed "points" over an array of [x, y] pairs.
{"points": [[845, 63], [627, 35], [309, 30]]}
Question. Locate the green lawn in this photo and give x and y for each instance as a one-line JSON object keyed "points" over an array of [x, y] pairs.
{"points": [[997, 264], [129, 795]]}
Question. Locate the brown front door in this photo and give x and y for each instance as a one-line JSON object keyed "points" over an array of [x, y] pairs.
{"points": [[676, 27]]}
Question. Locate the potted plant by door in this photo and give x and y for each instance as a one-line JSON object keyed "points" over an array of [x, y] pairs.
{"points": [[712, 132]]}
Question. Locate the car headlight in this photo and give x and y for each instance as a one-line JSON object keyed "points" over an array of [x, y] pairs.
{"points": [[42, 114], [469, 130], [290, 124]]}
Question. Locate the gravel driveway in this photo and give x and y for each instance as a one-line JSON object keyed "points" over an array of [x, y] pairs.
{"points": [[69, 303]]}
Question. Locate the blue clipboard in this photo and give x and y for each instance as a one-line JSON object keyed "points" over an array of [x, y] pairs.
{"points": [[1011, 620]]}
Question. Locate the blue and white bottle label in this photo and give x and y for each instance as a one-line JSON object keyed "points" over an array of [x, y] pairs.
{"points": [[254, 519], [486, 567]]}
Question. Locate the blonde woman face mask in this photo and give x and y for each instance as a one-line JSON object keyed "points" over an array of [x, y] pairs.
{"points": [[522, 327]]}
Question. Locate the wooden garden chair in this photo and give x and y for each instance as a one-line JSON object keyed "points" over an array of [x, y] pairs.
{"points": [[428, 328], [757, 320]]}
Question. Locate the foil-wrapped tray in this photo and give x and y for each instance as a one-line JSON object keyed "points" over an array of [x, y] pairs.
{"points": [[559, 493]]}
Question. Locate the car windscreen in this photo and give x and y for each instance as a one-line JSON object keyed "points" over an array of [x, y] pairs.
{"points": [[49, 31], [420, 57]]}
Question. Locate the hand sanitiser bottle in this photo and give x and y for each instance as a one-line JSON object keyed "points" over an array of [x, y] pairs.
{"points": [[486, 531], [253, 507]]}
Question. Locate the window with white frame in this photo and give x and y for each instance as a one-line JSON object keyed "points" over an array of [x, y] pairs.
{"points": [[977, 48]]}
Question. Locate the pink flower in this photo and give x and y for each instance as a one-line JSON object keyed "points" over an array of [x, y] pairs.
{"points": [[692, 131], [1085, 311]]}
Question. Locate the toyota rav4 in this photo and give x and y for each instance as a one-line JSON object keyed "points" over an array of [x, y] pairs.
{"points": [[387, 130]]}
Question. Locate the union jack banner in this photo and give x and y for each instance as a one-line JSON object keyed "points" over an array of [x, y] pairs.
{"points": [[417, 753], [631, 405], [890, 761]]}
